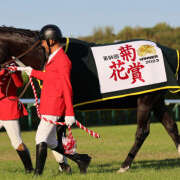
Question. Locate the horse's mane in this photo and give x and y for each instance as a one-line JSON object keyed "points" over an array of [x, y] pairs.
{"points": [[22, 32]]}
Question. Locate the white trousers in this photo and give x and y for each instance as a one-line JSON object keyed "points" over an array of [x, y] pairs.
{"points": [[46, 132], [13, 131]]}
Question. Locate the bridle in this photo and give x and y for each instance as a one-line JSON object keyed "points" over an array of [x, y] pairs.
{"points": [[22, 54], [13, 60]]}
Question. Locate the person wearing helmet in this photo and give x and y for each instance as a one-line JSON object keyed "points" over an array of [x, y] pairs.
{"points": [[56, 98]]}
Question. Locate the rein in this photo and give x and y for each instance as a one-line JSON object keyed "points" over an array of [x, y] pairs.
{"points": [[22, 93], [12, 60], [22, 55]]}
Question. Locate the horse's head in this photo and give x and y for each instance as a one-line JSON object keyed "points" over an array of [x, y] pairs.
{"points": [[14, 42]]}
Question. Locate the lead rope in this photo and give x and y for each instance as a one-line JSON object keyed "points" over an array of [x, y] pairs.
{"points": [[90, 132], [70, 144]]}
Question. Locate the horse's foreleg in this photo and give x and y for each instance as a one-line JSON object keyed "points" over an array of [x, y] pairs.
{"points": [[169, 124], [143, 129]]}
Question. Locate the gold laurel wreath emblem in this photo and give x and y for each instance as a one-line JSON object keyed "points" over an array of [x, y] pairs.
{"points": [[146, 49]]}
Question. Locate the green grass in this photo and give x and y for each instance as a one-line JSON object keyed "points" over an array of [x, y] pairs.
{"points": [[157, 159]]}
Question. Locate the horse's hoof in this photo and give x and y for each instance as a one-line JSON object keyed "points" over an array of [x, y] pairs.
{"points": [[122, 170], [178, 148]]}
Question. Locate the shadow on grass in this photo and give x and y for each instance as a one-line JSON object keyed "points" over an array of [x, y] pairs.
{"points": [[146, 164], [157, 164], [114, 166]]}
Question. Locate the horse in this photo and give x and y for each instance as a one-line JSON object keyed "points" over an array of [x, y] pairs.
{"points": [[86, 85]]}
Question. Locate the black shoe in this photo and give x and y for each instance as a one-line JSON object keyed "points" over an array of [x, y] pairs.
{"points": [[82, 160], [64, 167], [84, 163]]}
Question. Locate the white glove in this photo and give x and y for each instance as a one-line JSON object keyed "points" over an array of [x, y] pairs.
{"points": [[27, 70], [70, 120]]}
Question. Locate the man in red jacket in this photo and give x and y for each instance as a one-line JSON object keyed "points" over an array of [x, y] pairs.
{"points": [[56, 98], [10, 111]]}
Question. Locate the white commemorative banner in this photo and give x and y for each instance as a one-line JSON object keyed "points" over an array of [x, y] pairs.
{"points": [[129, 65]]}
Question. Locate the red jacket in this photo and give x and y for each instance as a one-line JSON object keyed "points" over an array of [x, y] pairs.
{"points": [[56, 93], [10, 109]]}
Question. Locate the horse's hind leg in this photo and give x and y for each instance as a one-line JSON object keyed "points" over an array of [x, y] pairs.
{"points": [[161, 112], [143, 128]]}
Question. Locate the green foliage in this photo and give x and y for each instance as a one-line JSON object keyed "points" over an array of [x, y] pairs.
{"points": [[161, 33], [101, 35]]}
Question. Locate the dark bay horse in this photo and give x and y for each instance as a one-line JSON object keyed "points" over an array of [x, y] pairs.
{"points": [[86, 86]]}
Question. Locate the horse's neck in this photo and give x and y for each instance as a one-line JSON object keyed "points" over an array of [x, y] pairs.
{"points": [[16, 44]]}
